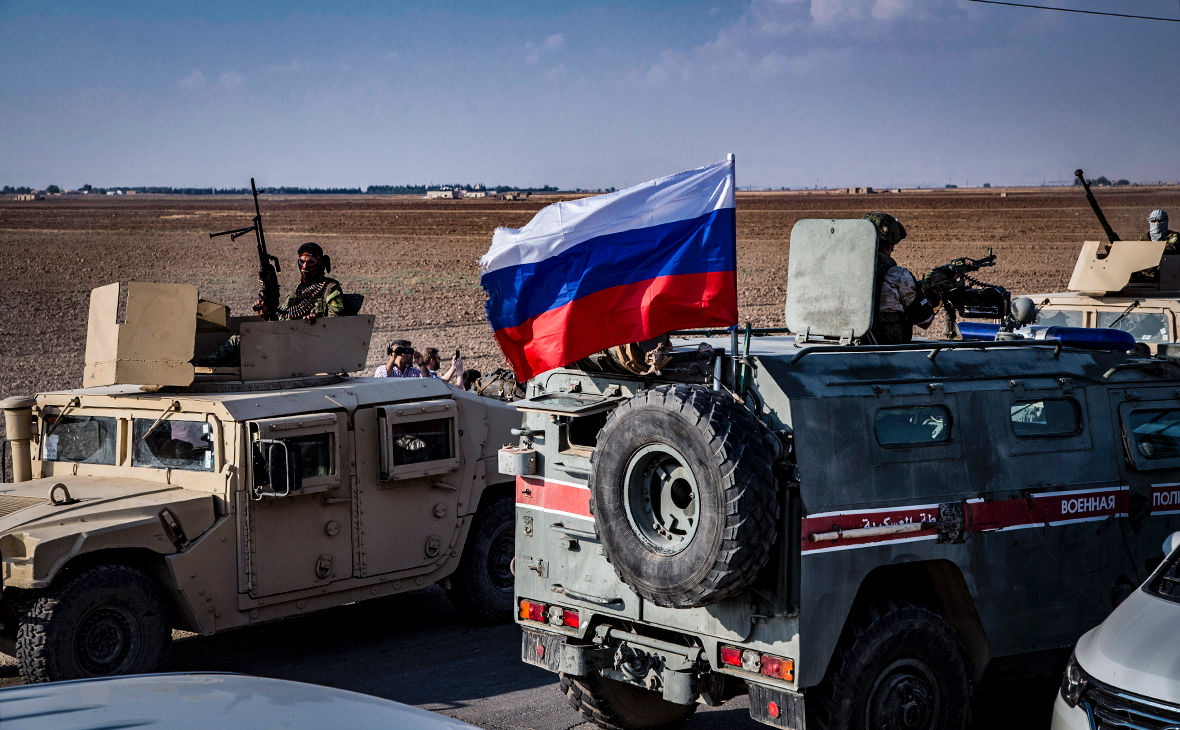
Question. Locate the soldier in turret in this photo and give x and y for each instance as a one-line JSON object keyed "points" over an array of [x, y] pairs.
{"points": [[315, 296], [1157, 230], [900, 303]]}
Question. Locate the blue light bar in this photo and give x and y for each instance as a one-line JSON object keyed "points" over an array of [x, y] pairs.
{"points": [[1083, 337], [1092, 338]]}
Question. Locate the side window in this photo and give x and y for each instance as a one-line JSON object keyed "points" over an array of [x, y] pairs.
{"points": [[1046, 417], [1143, 326], [171, 444], [300, 454], [80, 439], [418, 439], [913, 426], [315, 454], [1061, 317], [1155, 433]]}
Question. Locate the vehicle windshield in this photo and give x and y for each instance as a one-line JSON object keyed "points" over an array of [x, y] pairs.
{"points": [[1060, 317], [172, 444], [79, 439], [1143, 326]]}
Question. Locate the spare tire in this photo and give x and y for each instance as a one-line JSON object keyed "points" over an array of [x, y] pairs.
{"points": [[683, 495]]}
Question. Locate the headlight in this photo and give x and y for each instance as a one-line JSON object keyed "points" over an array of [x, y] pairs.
{"points": [[1073, 682]]}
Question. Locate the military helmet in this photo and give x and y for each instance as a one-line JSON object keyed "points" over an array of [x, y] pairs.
{"points": [[889, 229]]}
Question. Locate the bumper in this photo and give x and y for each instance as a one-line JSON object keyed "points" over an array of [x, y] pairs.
{"points": [[1069, 718]]}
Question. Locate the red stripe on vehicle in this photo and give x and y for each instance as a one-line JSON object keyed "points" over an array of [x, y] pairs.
{"points": [[1049, 508], [552, 496], [1165, 499]]}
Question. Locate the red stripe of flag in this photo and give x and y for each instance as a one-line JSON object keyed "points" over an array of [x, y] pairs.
{"points": [[627, 313]]}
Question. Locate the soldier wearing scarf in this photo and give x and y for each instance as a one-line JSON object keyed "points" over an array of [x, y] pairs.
{"points": [[1157, 230], [315, 296]]}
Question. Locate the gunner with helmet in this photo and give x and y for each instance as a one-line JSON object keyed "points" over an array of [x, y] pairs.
{"points": [[901, 303]]}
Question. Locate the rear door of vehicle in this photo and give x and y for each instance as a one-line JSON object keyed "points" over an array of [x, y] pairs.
{"points": [[410, 472]]}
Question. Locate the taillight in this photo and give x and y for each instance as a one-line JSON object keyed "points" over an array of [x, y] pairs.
{"points": [[773, 666], [532, 611], [753, 662], [547, 614]]}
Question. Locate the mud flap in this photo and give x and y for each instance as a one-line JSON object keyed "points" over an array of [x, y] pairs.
{"points": [[541, 650], [777, 707]]}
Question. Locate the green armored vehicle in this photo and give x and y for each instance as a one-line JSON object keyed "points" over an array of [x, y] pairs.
{"points": [[215, 498], [848, 534]]}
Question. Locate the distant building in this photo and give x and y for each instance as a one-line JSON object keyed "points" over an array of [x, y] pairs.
{"points": [[444, 193], [475, 193], [29, 196], [860, 191]]}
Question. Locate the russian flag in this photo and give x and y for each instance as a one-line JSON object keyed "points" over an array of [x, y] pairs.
{"points": [[587, 274]]}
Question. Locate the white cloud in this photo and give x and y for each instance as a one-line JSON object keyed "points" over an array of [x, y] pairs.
{"points": [[537, 49], [293, 67], [231, 80], [555, 72], [195, 80], [786, 37], [829, 12]]}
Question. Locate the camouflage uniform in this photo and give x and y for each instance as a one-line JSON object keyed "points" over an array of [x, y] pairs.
{"points": [[895, 286], [321, 297], [1171, 241]]}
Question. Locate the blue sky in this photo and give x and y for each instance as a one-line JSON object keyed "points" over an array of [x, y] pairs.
{"points": [[593, 94]]}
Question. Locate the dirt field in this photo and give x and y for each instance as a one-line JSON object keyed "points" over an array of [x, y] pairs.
{"points": [[416, 261]]}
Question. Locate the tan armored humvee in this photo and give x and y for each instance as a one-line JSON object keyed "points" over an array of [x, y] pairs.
{"points": [[220, 497], [1108, 291]]}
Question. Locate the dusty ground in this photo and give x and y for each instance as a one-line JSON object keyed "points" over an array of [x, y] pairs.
{"points": [[416, 261]]}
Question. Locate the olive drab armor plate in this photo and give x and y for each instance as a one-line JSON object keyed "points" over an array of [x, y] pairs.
{"points": [[830, 278]]}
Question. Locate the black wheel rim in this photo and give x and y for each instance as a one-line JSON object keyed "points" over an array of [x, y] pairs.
{"points": [[904, 697], [660, 499], [106, 640], [500, 554]]}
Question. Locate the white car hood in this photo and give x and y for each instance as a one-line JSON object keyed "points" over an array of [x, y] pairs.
{"points": [[203, 701], [1137, 648]]}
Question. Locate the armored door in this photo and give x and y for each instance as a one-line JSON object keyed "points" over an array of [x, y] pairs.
{"points": [[1150, 442], [411, 482], [298, 534]]}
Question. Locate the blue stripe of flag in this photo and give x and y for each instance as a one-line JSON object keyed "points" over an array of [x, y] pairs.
{"points": [[699, 245]]}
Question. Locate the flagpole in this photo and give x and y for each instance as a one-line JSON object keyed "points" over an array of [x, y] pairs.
{"points": [[733, 331]]}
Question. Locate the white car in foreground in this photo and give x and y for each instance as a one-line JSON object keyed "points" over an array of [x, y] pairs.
{"points": [[203, 702], [1125, 672]]}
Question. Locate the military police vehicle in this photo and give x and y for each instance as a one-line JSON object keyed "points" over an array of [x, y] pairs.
{"points": [[214, 498], [847, 533]]}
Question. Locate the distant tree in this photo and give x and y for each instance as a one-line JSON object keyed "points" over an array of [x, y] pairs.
{"points": [[52, 189], [86, 188], [987, 185], [948, 185], [1102, 180], [1122, 181]]}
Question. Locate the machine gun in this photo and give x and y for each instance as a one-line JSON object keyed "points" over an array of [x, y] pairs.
{"points": [[1111, 236], [963, 295], [268, 266]]}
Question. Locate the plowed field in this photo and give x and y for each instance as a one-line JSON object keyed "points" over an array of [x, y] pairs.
{"points": [[416, 260]]}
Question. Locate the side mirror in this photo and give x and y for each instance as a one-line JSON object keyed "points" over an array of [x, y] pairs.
{"points": [[281, 467], [1171, 543]]}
